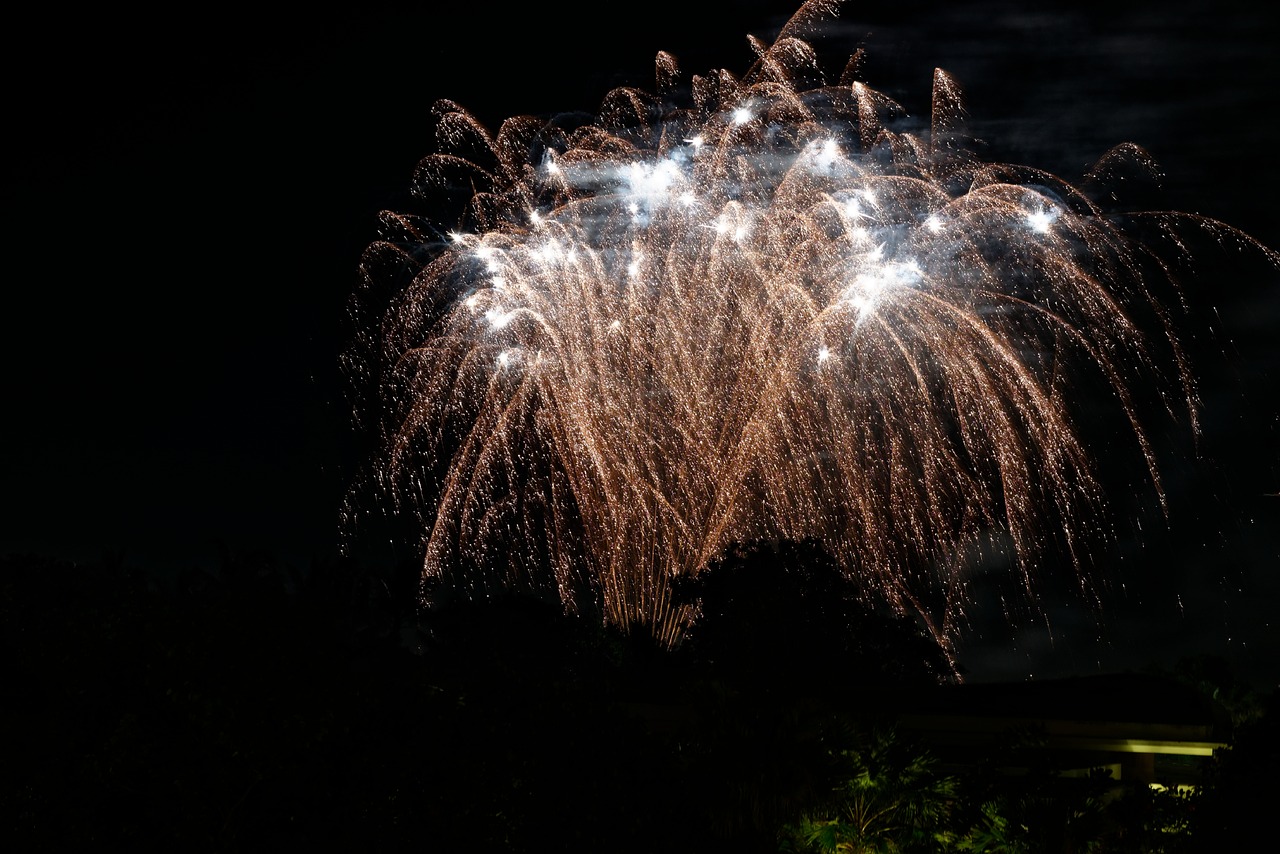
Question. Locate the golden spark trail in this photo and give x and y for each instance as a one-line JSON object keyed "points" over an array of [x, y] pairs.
{"points": [[757, 314]]}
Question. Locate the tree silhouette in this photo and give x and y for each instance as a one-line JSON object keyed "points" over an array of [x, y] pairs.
{"points": [[782, 616]]}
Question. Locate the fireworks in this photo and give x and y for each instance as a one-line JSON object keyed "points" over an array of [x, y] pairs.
{"points": [[751, 309]]}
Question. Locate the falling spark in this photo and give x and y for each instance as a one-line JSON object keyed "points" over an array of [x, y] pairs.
{"points": [[676, 266]]}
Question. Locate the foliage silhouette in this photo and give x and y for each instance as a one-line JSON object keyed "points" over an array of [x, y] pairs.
{"points": [[260, 704], [781, 616]]}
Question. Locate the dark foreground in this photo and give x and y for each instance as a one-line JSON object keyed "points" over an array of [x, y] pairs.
{"points": [[256, 707]]}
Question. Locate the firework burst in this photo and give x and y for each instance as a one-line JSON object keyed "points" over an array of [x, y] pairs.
{"points": [[750, 308]]}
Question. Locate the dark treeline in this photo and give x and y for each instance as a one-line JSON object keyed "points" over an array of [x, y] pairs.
{"points": [[259, 705]]}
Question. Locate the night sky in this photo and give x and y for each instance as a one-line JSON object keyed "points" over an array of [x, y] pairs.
{"points": [[188, 200]]}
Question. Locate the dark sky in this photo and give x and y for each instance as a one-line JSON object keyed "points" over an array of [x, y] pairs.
{"points": [[188, 199]]}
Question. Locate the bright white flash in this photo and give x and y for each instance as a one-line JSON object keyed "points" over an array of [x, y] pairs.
{"points": [[650, 181], [1039, 221], [827, 154], [869, 285], [548, 252], [498, 318]]}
